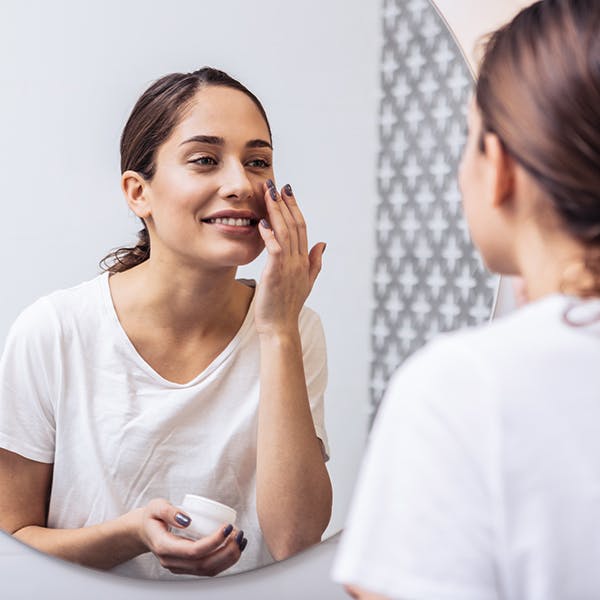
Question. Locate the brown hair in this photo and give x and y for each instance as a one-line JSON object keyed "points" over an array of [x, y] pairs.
{"points": [[539, 91], [151, 122]]}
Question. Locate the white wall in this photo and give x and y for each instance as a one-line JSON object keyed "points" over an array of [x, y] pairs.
{"points": [[70, 73], [469, 20]]}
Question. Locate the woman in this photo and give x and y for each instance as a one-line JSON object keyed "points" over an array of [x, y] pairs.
{"points": [[166, 375], [482, 479]]}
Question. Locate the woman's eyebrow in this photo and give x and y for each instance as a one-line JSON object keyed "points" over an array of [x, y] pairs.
{"points": [[219, 141], [205, 139], [258, 144]]}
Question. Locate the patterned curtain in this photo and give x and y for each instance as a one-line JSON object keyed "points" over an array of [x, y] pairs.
{"points": [[428, 277]]}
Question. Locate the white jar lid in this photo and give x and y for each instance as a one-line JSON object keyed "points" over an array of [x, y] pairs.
{"points": [[210, 508]]}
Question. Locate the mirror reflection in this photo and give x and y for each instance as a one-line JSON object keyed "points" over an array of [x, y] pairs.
{"points": [[166, 375], [61, 151]]}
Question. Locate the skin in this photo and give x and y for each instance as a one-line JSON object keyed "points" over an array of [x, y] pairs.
{"points": [[180, 309], [513, 228]]}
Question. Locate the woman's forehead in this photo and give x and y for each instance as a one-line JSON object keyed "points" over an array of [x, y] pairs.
{"points": [[224, 112]]}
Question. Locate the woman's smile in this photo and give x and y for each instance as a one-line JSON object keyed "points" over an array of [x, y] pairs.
{"points": [[233, 222]]}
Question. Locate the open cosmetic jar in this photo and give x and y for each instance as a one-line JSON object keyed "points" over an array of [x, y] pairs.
{"points": [[206, 515]]}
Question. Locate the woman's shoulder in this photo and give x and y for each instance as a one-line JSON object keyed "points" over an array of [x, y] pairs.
{"points": [[522, 331], [311, 328], [52, 310], [491, 351]]}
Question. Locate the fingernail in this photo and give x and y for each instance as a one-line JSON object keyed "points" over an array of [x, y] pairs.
{"points": [[182, 519], [227, 530], [243, 544], [239, 538], [287, 188], [324, 248], [270, 183], [265, 223], [273, 193]]}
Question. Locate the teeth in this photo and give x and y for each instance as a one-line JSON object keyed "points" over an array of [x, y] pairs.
{"points": [[232, 222]]}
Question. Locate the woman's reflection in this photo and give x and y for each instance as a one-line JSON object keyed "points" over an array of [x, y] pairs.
{"points": [[165, 375]]}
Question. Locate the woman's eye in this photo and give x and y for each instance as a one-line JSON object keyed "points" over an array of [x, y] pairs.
{"points": [[204, 161], [259, 163]]}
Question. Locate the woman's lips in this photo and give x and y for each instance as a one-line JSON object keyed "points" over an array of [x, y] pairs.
{"points": [[233, 226], [233, 222]]}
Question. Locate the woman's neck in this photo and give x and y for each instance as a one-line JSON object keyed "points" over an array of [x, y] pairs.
{"points": [[189, 301], [550, 261]]}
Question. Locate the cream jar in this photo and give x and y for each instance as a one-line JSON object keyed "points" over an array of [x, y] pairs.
{"points": [[207, 516]]}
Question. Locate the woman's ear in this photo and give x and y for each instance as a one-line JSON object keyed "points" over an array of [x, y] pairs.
{"points": [[501, 170], [135, 188]]}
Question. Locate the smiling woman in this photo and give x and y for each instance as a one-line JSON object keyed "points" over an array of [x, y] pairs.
{"points": [[166, 375], [67, 94]]}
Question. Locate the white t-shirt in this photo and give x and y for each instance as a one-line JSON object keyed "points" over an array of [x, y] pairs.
{"points": [[75, 392], [482, 476]]}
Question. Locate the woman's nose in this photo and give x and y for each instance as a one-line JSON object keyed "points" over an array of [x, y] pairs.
{"points": [[235, 183]]}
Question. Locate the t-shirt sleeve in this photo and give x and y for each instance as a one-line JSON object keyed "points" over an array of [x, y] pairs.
{"points": [[27, 419], [314, 353], [421, 521]]}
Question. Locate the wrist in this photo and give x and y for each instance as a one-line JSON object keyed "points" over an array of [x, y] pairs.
{"points": [[133, 523], [280, 337]]}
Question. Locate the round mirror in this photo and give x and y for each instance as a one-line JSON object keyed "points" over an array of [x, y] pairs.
{"points": [[71, 73], [399, 266]]}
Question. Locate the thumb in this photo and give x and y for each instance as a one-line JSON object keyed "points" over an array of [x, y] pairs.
{"points": [[164, 511], [315, 259]]}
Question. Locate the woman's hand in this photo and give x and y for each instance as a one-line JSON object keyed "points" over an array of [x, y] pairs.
{"points": [[207, 556], [291, 269]]}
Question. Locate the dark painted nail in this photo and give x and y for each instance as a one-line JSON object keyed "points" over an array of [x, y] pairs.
{"points": [[270, 183], [239, 537], [287, 188], [182, 519], [265, 223], [324, 248], [227, 530], [243, 544], [273, 193]]}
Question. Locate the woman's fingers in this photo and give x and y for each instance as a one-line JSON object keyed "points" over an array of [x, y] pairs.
{"points": [[282, 221], [268, 236], [287, 195], [315, 260], [164, 511], [200, 562], [217, 561]]}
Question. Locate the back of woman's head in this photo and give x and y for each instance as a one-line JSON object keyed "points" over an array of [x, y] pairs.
{"points": [[152, 120], [539, 91]]}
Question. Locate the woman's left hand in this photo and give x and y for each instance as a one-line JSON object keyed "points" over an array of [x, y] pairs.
{"points": [[291, 269]]}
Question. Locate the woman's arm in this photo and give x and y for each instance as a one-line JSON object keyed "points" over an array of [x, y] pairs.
{"points": [[25, 486], [294, 493], [293, 489]]}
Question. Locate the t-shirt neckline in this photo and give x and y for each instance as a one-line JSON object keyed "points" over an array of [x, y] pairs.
{"points": [[132, 351]]}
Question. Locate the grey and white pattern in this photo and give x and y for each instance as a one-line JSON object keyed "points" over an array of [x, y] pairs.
{"points": [[428, 277]]}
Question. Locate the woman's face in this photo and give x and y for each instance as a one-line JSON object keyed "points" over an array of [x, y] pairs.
{"points": [[477, 180], [206, 196], [470, 175]]}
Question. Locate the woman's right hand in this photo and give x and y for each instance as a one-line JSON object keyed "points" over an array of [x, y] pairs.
{"points": [[207, 556]]}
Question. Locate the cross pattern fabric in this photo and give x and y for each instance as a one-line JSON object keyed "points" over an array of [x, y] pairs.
{"points": [[428, 277]]}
